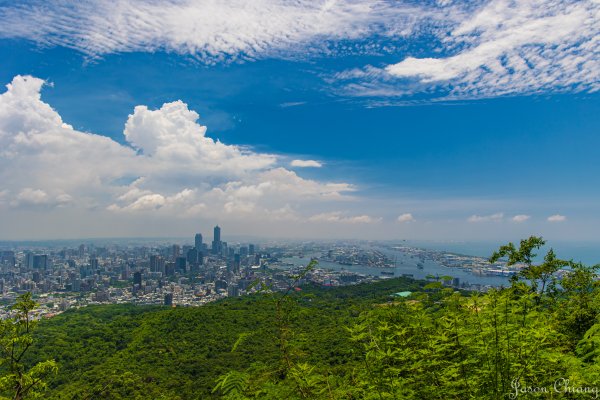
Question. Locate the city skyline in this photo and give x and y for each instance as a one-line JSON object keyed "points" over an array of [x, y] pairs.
{"points": [[370, 120]]}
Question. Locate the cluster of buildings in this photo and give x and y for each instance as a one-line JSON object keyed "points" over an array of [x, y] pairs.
{"points": [[479, 266], [168, 274], [194, 273], [357, 255], [88, 274]]}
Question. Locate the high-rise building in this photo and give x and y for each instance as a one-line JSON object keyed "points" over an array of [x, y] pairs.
{"points": [[236, 263], [168, 299], [192, 256], [198, 241], [8, 258], [181, 264], [125, 273], [224, 250], [233, 291], [154, 262], [176, 250], [169, 269], [137, 278], [40, 261], [251, 249], [216, 244], [28, 262], [157, 263]]}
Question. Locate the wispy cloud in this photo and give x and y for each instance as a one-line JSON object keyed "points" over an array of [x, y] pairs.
{"points": [[212, 31], [337, 216], [306, 163], [406, 217], [503, 47], [520, 218], [486, 218], [557, 218], [473, 50], [292, 104]]}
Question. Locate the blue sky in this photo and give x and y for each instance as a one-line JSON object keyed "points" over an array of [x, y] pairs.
{"points": [[424, 120]]}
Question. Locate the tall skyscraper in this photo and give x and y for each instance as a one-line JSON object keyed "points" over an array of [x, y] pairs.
{"points": [[192, 256], [157, 263], [8, 258], [40, 261], [176, 251], [137, 278], [181, 264], [170, 269], [236, 263], [198, 241], [216, 244], [28, 260]]}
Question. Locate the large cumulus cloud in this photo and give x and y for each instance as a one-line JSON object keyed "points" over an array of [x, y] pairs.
{"points": [[170, 166]]}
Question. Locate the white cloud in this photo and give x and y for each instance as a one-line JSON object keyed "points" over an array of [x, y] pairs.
{"points": [[337, 216], [178, 170], [520, 218], [262, 195], [503, 47], [172, 178], [292, 104], [32, 196], [306, 163], [477, 49], [185, 202], [486, 218], [39, 151], [171, 139], [557, 218], [29, 197], [406, 217], [209, 30], [147, 202]]}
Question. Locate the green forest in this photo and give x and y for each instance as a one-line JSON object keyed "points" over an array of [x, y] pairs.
{"points": [[537, 338]]}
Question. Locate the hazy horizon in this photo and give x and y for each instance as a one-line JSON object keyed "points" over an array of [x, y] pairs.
{"points": [[587, 252]]}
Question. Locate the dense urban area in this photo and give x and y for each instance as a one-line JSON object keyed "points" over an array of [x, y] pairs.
{"points": [[196, 273]]}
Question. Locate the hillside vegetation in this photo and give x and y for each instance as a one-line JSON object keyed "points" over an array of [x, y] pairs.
{"points": [[538, 338]]}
